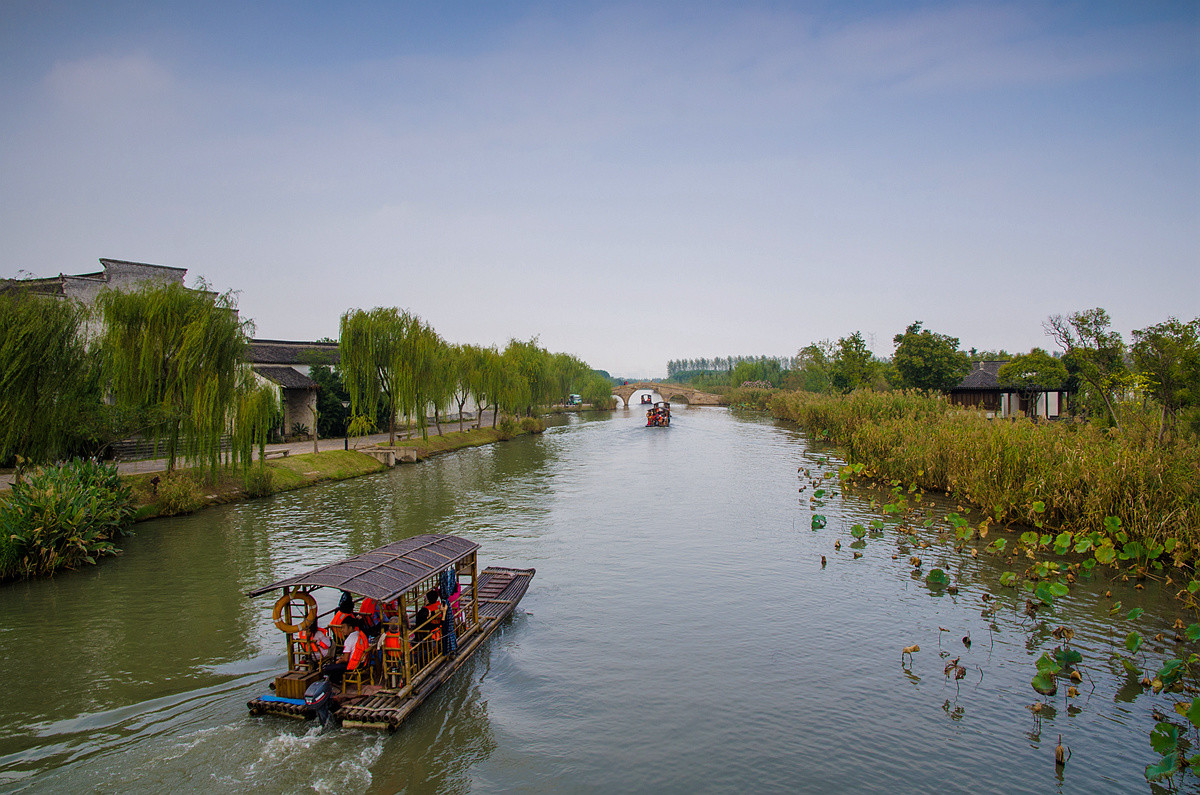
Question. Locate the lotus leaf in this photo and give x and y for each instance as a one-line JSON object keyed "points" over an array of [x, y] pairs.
{"points": [[936, 578], [1164, 768], [1044, 683]]}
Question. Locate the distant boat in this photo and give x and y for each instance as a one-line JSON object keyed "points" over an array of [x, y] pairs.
{"points": [[406, 662]]}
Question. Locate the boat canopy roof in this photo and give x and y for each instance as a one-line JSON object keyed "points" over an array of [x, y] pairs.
{"points": [[384, 573]]}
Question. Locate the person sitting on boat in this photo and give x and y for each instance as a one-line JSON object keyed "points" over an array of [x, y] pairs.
{"points": [[371, 613], [354, 652], [345, 610], [429, 623], [315, 642]]}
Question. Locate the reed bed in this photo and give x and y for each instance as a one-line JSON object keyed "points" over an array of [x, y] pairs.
{"points": [[1010, 468]]}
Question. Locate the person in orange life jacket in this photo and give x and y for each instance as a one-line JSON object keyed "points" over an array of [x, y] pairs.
{"points": [[315, 642], [375, 614], [429, 619], [354, 652], [345, 610]]}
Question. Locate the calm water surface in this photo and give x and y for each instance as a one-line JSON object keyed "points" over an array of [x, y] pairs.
{"points": [[681, 635]]}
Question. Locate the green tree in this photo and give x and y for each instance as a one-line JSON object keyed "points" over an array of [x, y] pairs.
{"points": [[527, 381], [332, 417], [387, 357], [1092, 354], [45, 380], [928, 360], [812, 368], [182, 352], [567, 375], [1167, 356], [853, 366], [597, 391], [1031, 374]]}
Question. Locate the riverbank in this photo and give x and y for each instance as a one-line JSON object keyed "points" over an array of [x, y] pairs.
{"points": [[1116, 491], [185, 492]]}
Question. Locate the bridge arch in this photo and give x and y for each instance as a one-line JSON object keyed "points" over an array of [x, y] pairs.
{"points": [[670, 392]]}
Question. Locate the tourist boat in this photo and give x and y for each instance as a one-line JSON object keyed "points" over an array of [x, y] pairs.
{"points": [[647, 399], [407, 662], [659, 416]]}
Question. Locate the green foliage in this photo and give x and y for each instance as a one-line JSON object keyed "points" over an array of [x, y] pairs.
{"points": [[1081, 474], [818, 521], [181, 351], [62, 517], [388, 359], [45, 381], [597, 392], [1167, 356], [178, 493], [853, 366], [258, 481], [257, 414], [1164, 740], [508, 426], [1094, 358], [927, 360], [332, 418], [1044, 681], [532, 425], [1031, 374], [937, 579]]}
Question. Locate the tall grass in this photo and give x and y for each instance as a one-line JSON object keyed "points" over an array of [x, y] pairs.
{"points": [[1080, 473]]}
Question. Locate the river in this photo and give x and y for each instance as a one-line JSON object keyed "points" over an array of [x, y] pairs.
{"points": [[681, 635]]}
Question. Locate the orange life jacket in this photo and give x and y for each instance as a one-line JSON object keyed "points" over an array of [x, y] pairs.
{"points": [[391, 641], [358, 652], [317, 645], [339, 618], [433, 626]]}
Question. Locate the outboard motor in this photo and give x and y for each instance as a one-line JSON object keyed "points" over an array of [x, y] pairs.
{"points": [[318, 696]]}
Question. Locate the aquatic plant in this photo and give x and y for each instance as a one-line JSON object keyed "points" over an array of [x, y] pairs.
{"points": [[62, 517], [1058, 477]]}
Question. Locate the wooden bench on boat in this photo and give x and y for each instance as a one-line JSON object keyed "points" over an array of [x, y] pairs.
{"points": [[400, 678]]}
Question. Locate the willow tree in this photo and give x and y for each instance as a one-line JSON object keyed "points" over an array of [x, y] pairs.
{"points": [[180, 351], [44, 373], [387, 357], [257, 413]]}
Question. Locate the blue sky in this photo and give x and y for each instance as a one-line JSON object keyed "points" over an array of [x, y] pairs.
{"points": [[631, 183]]}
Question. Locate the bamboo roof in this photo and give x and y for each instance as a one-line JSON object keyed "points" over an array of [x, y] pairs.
{"points": [[384, 573]]}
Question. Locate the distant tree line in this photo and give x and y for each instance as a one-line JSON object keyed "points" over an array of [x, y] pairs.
{"points": [[394, 365], [678, 367], [1157, 374]]}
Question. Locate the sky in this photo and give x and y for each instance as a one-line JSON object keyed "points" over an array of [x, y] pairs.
{"points": [[629, 182]]}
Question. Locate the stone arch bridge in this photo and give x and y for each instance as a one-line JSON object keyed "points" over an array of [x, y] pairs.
{"points": [[669, 391]]}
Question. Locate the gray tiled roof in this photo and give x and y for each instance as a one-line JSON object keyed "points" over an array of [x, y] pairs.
{"points": [[985, 375], [292, 352], [286, 377]]}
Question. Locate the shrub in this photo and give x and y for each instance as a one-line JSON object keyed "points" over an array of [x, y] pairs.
{"points": [[178, 493], [532, 425], [259, 481], [507, 427], [61, 517]]}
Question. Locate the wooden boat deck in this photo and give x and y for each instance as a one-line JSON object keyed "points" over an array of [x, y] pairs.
{"points": [[499, 590]]}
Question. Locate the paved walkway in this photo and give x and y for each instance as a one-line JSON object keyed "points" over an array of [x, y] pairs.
{"points": [[293, 448]]}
